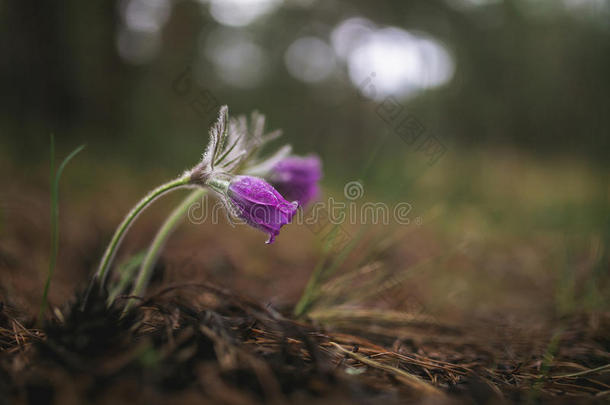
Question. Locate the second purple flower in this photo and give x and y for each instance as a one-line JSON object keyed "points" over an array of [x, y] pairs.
{"points": [[296, 178]]}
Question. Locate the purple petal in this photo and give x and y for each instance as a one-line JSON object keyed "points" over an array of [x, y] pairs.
{"points": [[296, 178], [260, 205]]}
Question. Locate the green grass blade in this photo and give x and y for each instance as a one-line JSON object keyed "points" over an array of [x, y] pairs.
{"points": [[306, 299], [54, 179], [322, 272]]}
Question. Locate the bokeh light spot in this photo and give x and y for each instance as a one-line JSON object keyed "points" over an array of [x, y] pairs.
{"points": [[391, 60], [239, 13], [310, 59], [237, 59]]}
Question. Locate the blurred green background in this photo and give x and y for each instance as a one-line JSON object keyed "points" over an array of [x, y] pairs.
{"points": [[140, 80], [514, 93]]}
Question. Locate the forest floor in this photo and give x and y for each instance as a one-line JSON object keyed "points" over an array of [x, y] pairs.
{"points": [[410, 315]]}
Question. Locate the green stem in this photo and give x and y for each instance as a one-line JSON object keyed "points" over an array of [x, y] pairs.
{"points": [[127, 270], [54, 235], [102, 271], [55, 177], [159, 241]]}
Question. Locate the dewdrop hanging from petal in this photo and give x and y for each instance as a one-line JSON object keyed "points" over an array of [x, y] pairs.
{"points": [[256, 202]]}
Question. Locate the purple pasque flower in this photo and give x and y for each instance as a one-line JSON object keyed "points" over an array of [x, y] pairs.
{"points": [[260, 205], [296, 178]]}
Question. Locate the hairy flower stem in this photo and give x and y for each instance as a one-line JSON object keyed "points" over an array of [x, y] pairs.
{"points": [[102, 272], [159, 241]]}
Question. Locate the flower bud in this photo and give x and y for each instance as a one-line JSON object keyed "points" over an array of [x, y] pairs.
{"points": [[260, 205]]}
